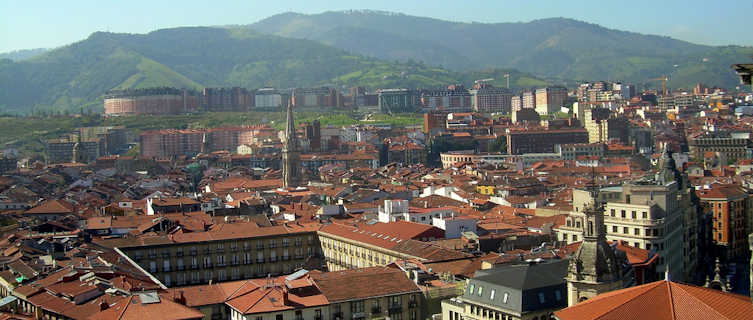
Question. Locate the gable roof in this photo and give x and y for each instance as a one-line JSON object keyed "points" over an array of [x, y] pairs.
{"points": [[51, 207], [661, 300]]}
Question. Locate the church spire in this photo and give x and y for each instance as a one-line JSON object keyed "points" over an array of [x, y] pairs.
{"points": [[290, 156]]}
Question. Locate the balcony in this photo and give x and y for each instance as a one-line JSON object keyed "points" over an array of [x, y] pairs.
{"points": [[337, 316], [412, 304], [286, 244], [259, 247], [272, 259], [220, 250], [221, 264], [193, 253], [299, 256], [260, 260], [285, 258], [396, 308], [194, 266], [376, 310], [179, 253], [166, 269], [180, 268], [272, 245], [152, 255], [208, 265], [166, 255], [233, 249], [358, 315]]}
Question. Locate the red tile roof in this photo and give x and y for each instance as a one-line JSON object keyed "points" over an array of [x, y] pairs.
{"points": [[135, 309], [361, 283], [51, 207], [661, 300]]}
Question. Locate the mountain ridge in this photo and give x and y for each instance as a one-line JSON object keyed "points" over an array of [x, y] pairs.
{"points": [[550, 47], [76, 76]]}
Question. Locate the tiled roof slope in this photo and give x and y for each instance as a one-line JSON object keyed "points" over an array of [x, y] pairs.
{"points": [[362, 283], [661, 300]]}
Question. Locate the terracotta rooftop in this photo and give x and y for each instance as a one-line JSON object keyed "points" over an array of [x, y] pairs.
{"points": [[661, 300], [365, 282], [51, 207], [138, 308]]}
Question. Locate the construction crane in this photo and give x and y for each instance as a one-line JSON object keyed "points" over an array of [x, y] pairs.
{"points": [[663, 80], [507, 76]]}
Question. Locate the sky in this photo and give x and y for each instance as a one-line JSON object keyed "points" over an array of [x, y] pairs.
{"points": [[48, 24]]}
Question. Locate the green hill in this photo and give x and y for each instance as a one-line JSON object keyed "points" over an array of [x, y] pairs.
{"points": [[551, 48], [76, 76]]}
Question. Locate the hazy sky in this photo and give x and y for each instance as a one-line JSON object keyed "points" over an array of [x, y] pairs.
{"points": [[26, 24]]}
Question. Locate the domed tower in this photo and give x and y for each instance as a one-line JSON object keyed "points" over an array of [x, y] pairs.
{"points": [[594, 268]]}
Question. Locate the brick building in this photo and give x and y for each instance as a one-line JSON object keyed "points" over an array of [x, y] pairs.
{"points": [[731, 212]]}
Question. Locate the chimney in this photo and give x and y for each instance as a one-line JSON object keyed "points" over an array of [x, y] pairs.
{"points": [[103, 305], [181, 299]]}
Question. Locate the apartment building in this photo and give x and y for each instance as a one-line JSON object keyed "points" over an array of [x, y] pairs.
{"points": [[487, 99], [348, 247], [731, 211], [270, 98], [398, 100], [528, 100], [550, 99], [454, 98], [367, 293], [228, 251], [542, 141], [644, 214], [735, 145], [227, 99], [316, 97]]}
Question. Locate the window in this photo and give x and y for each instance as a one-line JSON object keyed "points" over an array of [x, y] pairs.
{"points": [[637, 245], [278, 317], [318, 314], [480, 291], [575, 237], [611, 212], [356, 306], [625, 230], [491, 294], [557, 295], [541, 297], [472, 288], [298, 315], [645, 215], [633, 214], [614, 229], [505, 297], [622, 213], [637, 231]]}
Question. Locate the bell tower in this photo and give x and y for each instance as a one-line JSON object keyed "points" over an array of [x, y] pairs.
{"points": [[594, 267]]}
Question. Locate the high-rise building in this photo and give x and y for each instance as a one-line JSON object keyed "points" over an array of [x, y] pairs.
{"points": [[550, 99], [291, 170], [730, 209], [488, 99]]}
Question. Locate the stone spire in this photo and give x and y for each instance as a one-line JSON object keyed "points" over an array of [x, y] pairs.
{"points": [[291, 174], [594, 267], [204, 144]]}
